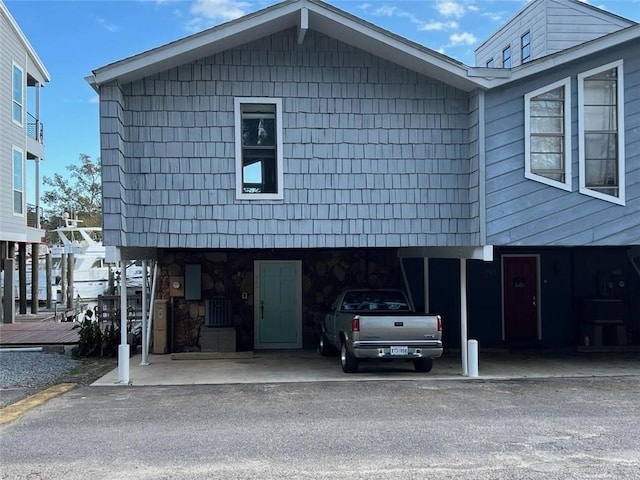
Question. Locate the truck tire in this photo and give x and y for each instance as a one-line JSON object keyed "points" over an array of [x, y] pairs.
{"points": [[324, 347], [349, 362], [423, 364]]}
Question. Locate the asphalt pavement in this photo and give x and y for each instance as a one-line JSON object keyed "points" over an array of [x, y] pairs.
{"points": [[553, 428]]}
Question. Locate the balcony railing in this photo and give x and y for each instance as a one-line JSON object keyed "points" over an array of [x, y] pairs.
{"points": [[33, 214], [35, 129]]}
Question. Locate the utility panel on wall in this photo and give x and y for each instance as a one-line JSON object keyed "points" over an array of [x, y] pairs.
{"points": [[192, 281]]}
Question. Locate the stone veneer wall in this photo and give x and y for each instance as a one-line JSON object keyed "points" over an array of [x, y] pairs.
{"points": [[226, 274]]}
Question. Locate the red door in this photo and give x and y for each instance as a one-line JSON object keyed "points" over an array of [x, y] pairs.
{"points": [[520, 287]]}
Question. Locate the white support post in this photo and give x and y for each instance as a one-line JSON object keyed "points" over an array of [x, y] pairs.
{"points": [[123, 348], [145, 286], [153, 297], [463, 316]]}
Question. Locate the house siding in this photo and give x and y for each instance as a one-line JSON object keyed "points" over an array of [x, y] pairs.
{"points": [[12, 227], [554, 25], [375, 155], [526, 212]]}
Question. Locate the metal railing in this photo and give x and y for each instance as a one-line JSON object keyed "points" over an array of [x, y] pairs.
{"points": [[35, 128], [33, 214]]}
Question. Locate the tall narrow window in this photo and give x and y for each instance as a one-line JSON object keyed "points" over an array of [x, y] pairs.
{"points": [[525, 41], [506, 57], [18, 181], [601, 132], [258, 148], [18, 95], [490, 63], [547, 126]]}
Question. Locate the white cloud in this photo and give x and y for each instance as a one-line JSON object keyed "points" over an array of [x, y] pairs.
{"points": [[450, 8], [439, 26], [495, 16], [464, 38], [223, 10], [108, 26], [385, 11]]}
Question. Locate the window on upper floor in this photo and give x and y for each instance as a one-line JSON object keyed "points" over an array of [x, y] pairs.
{"points": [[18, 95], [258, 125], [547, 124], [506, 57], [18, 181], [490, 63], [601, 132], [525, 42]]}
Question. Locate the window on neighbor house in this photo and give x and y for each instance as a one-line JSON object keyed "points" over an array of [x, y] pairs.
{"points": [[18, 94], [18, 181], [506, 57], [490, 63], [525, 41], [547, 126], [258, 148], [601, 132]]}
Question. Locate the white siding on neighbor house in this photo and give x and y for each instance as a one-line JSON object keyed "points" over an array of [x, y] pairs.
{"points": [[555, 25], [527, 212], [12, 227], [374, 155]]}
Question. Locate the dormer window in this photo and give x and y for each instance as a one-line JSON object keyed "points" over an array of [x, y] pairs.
{"points": [[506, 57]]}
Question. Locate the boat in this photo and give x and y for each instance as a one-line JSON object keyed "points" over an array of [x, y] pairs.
{"points": [[91, 272]]}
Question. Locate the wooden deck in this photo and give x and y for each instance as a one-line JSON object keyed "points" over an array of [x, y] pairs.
{"points": [[33, 333]]}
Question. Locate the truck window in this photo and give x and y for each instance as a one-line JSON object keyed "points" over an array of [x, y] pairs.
{"points": [[380, 300]]}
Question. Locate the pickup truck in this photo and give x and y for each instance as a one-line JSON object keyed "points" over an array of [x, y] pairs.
{"points": [[382, 324]]}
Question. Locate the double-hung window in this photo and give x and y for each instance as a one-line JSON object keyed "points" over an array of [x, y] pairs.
{"points": [[18, 181], [547, 124], [601, 132], [525, 42], [18, 95], [506, 57], [258, 127]]}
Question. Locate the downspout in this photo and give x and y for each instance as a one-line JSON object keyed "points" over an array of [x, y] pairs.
{"points": [[482, 169], [145, 287]]}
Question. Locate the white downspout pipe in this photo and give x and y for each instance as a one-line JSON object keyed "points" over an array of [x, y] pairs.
{"points": [[150, 322], [123, 348], [145, 287], [463, 316]]}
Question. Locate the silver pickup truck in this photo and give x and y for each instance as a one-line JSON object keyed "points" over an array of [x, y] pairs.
{"points": [[366, 324]]}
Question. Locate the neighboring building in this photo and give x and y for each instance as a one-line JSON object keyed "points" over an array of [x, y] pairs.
{"points": [[22, 75], [271, 161], [544, 27]]}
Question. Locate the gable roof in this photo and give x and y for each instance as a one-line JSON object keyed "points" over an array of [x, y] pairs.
{"points": [[580, 6], [34, 60], [303, 14]]}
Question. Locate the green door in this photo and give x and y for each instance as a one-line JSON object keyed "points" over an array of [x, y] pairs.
{"points": [[278, 323]]}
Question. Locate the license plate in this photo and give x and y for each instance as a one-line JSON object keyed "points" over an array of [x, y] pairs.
{"points": [[399, 351]]}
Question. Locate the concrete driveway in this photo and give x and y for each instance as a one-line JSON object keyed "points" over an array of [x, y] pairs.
{"points": [[307, 366]]}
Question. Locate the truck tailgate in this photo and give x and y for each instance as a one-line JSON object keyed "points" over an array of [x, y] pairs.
{"points": [[398, 327]]}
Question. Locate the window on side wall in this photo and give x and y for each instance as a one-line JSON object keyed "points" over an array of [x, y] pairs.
{"points": [[490, 63], [525, 41], [258, 127], [547, 124], [18, 95], [506, 57], [601, 132], [18, 181]]}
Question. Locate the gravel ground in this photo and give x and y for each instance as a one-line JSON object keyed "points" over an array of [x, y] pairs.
{"points": [[25, 373]]}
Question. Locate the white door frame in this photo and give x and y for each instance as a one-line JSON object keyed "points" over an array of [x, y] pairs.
{"points": [[256, 305]]}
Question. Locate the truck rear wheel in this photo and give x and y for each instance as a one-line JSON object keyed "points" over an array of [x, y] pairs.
{"points": [[349, 362], [325, 348], [423, 364]]}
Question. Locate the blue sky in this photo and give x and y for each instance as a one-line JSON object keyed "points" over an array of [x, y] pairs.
{"points": [[75, 37]]}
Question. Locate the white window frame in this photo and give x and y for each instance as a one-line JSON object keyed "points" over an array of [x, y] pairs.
{"points": [[22, 94], [15, 150], [238, 102], [620, 199], [528, 173]]}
